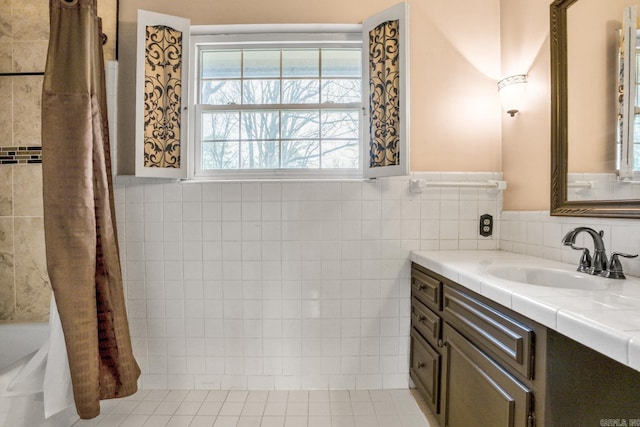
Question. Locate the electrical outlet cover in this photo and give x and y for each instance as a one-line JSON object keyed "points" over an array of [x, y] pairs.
{"points": [[486, 225]]}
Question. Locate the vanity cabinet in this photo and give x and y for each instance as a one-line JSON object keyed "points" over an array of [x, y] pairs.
{"points": [[473, 362], [480, 364]]}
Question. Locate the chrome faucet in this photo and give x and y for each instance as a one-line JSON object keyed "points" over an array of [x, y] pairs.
{"points": [[598, 264]]}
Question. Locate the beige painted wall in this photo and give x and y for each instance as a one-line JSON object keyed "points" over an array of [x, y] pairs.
{"points": [[455, 63], [526, 137]]}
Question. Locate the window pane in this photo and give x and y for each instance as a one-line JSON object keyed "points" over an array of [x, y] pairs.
{"points": [[300, 63], [220, 155], [261, 92], [340, 124], [301, 154], [260, 155], [300, 91], [302, 136], [260, 125], [300, 124], [221, 64], [340, 154], [262, 63], [220, 126], [341, 63], [342, 91], [220, 92]]}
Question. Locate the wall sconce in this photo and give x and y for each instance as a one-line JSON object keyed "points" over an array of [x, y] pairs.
{"points": [[512, 92]]}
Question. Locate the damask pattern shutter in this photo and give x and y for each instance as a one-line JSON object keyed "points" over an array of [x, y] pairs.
{"points": [[384, 102], [385, 59], [161, 83]]}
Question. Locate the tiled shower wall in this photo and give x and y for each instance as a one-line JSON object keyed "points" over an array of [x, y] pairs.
{"points": [[283, 285], [24, 34], [24, 285], [24, 288]]}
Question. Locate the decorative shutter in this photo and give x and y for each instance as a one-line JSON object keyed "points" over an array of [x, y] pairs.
{"points": [[161, 95], [386, 89]]}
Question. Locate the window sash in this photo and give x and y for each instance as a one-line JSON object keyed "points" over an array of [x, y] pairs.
{"points": [[320, 171], [273, 41]]}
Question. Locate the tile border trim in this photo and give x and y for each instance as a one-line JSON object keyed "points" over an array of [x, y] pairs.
{"points": [[20, 155]]}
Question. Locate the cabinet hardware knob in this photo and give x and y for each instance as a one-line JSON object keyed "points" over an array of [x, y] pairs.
{"points": [[421, 318], [440, 343], [420, 365], [422, 287]]}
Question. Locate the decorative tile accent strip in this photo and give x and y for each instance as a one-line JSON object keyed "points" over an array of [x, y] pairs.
{"points": [[20, 155]]}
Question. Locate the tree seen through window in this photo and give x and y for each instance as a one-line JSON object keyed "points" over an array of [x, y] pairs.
{"points": [[280, 108]]}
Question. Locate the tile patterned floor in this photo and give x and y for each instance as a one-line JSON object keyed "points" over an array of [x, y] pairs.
{"points": [[215, 408]]}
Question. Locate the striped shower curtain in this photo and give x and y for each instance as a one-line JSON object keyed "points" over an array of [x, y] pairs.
{"points": [[79, 217]]}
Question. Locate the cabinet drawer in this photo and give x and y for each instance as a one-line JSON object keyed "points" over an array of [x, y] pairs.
{"points": [[426, 322], [426, 289], [503, 337], [425, 370]]}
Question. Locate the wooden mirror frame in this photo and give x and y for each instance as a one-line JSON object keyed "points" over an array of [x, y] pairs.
{"points": [[560, 206]]}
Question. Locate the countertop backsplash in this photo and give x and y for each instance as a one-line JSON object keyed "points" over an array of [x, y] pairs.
{"points": [[539, 234]]}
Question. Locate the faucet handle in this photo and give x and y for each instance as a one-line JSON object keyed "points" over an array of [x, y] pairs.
{"points": [[614, 271], [585, 260], [584, 265]]}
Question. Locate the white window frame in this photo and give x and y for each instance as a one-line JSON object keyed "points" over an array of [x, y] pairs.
{"points": [[267, 35]]}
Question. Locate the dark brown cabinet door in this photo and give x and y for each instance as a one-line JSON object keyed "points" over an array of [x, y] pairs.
{"points": [[476, 392], [425, 370]]}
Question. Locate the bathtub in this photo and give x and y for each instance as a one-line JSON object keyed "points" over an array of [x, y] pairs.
{"points": [[18, 344], [17, 340]]}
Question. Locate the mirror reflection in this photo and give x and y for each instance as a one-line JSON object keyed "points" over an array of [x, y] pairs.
{"points": [[628, 149], [602, 58]]}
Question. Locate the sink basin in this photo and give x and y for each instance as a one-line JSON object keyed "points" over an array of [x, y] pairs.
{"points": [[548, 277]]}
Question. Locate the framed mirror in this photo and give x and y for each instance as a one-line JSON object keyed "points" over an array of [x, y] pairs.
{"points": [[585, 131]]}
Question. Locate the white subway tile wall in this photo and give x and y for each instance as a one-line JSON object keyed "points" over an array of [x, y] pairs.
{"points": [[538, 233], [284, 285]]}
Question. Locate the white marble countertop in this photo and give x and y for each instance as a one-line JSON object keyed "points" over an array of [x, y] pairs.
{"points": [[607, 321]]}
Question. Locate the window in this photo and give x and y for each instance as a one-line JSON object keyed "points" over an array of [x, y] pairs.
{"points": [[288, 107], [272, 101]]}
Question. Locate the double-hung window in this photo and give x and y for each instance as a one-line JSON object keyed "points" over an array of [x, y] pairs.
{"points": [[272, 101], [278, 104]]}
